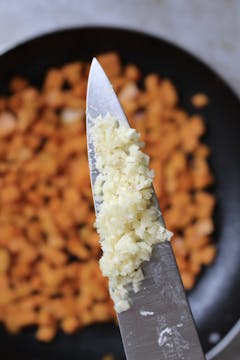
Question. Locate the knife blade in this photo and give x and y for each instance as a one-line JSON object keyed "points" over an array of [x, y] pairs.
{"points": [[159, 323]]}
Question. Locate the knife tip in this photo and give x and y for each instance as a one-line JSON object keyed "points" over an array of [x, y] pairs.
{"points": [[94, 63]]}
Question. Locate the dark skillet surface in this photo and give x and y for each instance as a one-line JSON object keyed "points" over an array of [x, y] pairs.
{"points": [[216, 297]]}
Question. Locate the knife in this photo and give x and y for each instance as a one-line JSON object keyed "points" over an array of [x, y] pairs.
{"points": [[159, 324]]}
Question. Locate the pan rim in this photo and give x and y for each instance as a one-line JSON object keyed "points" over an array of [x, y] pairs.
{"points": [[65, 29], [225, 341]]}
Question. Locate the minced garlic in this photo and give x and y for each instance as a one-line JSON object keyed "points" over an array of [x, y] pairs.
{"points": [[128, 220]]}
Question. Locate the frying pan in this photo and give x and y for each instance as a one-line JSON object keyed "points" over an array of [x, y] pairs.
{"points": [[216, 297]]}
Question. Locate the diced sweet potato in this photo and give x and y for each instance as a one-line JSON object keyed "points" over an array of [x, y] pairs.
{"points": [[49, 250]]}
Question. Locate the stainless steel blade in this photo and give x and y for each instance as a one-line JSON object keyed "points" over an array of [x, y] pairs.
{"points": [[159, 325]]}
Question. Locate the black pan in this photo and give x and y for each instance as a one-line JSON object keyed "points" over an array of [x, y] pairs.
{"points": [[216, 297]]}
